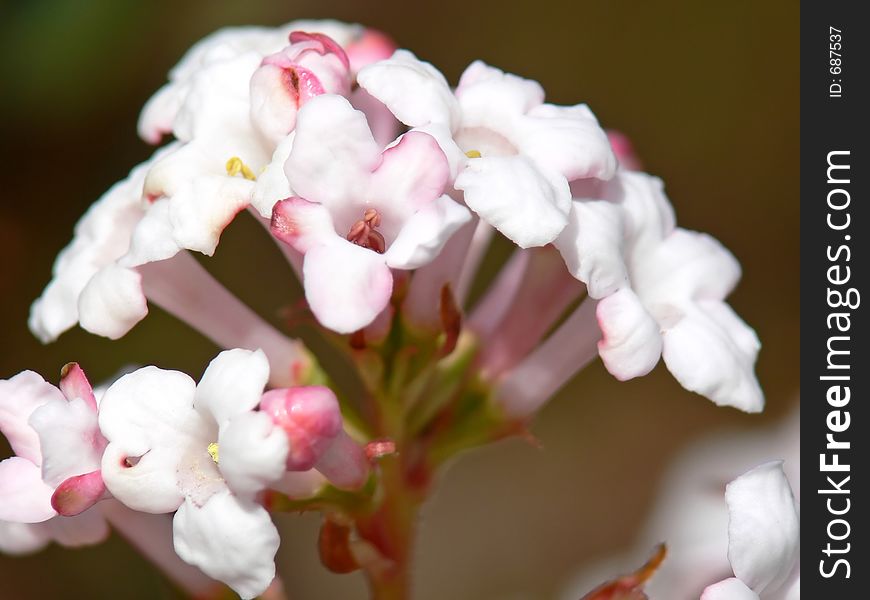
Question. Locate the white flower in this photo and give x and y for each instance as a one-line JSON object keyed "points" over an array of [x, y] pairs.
{"points": [[359, 211], [763, 538], [662, 291], [202, 451], [521, 151]]}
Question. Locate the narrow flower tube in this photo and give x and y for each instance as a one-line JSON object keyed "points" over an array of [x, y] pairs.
{"points": [[546, 291], [527, 387], [182, 287]]}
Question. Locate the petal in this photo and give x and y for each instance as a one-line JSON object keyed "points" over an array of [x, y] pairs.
{"points": [[424, 234], [24, 497], [201, 210], [159, 112], [112, 302], [70, 439], [764, 530], [566, 139], [102, 235], [346, 285], [686, 266], [631, 343], [413, 173], [302, 224], [253, 453], [729, 589], [712, 352], [232, 384], [229, 539], [415, 91], [592, 246], [513, 194], [272, 184], [311, 419], [19, 539], [77, 494], [74, 384], [152, 239], [649, 214], [384, 126], [148, 416], [333, 153], [19, 397], [489, 97]]}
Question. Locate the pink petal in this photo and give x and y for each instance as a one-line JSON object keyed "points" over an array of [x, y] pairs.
{"points": [[412, 174], [301, 224], [333, 154], [19, 397], [77, 494], [311, 418], [74, 384], [369, 48], [24, 497], [346, 285], [70, 439], [328, 45]]}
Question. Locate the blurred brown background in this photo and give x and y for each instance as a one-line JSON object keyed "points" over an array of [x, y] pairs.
{"points": [[707, 91]]}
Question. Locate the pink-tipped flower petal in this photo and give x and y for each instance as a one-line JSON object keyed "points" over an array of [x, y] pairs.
{"points": [[77, 494]]}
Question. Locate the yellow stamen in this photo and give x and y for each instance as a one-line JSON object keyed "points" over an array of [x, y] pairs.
{"points": [[235, 166], [473, 154], [213, 451]]}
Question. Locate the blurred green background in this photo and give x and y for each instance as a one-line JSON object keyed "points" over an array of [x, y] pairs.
{"points": [[707, 91]]}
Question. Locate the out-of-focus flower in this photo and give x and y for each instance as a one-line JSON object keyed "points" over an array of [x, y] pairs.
{"points": [[519, 153], [360, 212], [763, 538]]}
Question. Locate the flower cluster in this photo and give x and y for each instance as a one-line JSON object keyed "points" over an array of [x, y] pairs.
{"points": [[383, 186]]}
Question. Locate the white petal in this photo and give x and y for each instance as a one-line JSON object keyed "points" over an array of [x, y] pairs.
{"points": [[232, 384], [566, 139], [712, 352], [729, 589], [423, 235], [112, 302], [764, 530], [19, 397], [346, 285], [70, 439], [202, 210], [230, 540], [333, 153], [516, 196], [415, 91], [19, 539], [24, 497], [649, 214], [631, 344], [148, 415], [686, 266], [491, 98], [412, 174], [592, 246], [102, 235], [253, 453], [152, 239], [272, 184]]}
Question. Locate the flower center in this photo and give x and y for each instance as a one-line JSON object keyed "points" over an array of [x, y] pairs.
{"points": [[363, 233], [213, 451]]}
